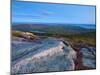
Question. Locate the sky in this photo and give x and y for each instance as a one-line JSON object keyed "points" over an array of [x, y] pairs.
{"points": [[35, 12]]}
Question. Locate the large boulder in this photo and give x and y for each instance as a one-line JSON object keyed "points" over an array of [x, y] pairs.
{"points": [[88, 57]]}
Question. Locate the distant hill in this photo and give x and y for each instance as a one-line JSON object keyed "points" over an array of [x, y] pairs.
{"points": [[57, 29]]}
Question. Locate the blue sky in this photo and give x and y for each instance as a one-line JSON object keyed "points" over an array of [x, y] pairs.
{"points": [[32, 12]]}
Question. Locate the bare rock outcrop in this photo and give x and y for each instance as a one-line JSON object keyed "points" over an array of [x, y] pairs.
{"points": [[25, 35], [49, 55], [89, 57]]}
